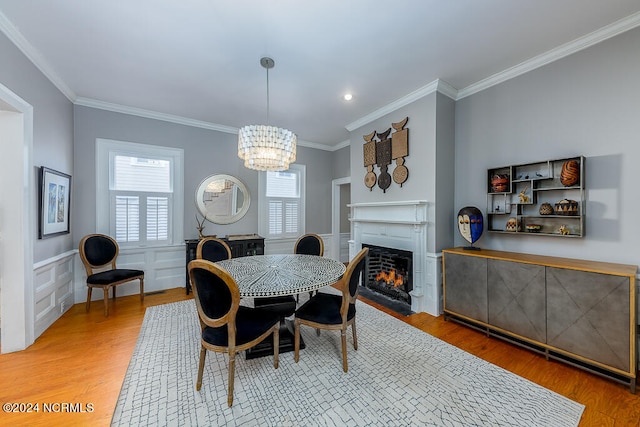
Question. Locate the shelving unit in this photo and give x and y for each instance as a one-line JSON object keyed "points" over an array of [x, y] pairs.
{"points": [[529, 186]]}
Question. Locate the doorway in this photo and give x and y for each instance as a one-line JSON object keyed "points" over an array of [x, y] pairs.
{"points": [[341, 196], [17, 219]]}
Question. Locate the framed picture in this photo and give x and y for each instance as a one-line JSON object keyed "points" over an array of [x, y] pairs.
{"points": [[55, 199]]}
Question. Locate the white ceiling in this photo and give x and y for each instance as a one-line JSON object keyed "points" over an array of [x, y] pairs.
{"points": [[197, 61]]}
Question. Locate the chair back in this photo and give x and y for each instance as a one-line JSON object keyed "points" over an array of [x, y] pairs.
{"points": [[216, 294], [309, 244], [213, 249], [351, 280], [98, 251]]}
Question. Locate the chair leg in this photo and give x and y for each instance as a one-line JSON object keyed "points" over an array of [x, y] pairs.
{"points": [[276, 347], [296, 340], [114, 292], [89, 289], [232, 367], [343, 336], [106, 300], [355, 335], [141, 290], [203, 355]]}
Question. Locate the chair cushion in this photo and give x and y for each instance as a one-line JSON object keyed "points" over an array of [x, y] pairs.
{"points": [[111, 276], [325, 309], [250, 324]]}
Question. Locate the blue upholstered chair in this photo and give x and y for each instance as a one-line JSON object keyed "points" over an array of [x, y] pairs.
{"points": [[334, 312], [99, 251], [226, 326]]}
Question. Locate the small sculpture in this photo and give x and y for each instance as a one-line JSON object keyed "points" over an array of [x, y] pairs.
{"points": [[200, 226], [563, 230], [470, 225], [523, 197]]}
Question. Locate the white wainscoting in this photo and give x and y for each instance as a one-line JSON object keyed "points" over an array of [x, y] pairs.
{"points": [[53, 289], [164, 268]]}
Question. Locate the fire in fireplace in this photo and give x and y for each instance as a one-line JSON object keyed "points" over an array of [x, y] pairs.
{"points": [[388, 272]]}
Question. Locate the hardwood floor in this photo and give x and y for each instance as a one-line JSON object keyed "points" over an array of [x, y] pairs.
{"points": [[82, 359]]}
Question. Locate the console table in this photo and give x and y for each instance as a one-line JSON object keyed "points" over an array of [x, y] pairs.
{"points": [[240, 244], [580, 312]]}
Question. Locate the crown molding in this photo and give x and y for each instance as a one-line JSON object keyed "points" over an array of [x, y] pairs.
{"points": [[117, 108], [435, 86], [34, 56], [555, 54]]}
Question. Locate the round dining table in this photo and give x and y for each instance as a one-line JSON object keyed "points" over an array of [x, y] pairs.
{"points": [[284, 274], [271, 278]]}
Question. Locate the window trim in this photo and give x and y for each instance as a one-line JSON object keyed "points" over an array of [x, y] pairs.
{"points": [[104, 148], [263, 205]]}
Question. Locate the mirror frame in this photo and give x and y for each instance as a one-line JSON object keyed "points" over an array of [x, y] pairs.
{"points": [[226, 219]]}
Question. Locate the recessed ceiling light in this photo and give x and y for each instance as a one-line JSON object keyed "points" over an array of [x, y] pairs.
{"points": [[347, 97]]}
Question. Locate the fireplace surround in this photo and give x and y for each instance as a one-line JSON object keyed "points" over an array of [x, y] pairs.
{"points": [[401, 225]]}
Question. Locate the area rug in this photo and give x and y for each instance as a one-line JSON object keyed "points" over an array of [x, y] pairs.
{"points": [[399, 376]]}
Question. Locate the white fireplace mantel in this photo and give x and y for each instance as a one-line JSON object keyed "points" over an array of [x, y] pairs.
{"points": [[401, 225]]}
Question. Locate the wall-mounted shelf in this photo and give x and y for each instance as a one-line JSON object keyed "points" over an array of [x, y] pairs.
{"points": [[516, 193]]}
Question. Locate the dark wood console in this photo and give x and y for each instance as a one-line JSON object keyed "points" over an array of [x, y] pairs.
{"points": [[240, 244]]}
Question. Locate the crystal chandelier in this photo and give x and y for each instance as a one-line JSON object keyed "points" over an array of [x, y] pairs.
{"points": [[264, 147]]}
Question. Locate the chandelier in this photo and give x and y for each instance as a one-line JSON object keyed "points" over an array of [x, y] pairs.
{"points": [[265, 147]]}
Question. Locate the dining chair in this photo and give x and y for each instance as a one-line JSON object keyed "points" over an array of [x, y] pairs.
{"points": [[333, 312], [309, 244], [213, 249], [226, 326], [98, 253]]}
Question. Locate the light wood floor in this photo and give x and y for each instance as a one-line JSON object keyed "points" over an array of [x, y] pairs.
{"points": [[83, 357]]}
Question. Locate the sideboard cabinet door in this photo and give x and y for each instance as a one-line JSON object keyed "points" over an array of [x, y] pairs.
{"points": [[466, 286], [588, 315], [517, 298]]}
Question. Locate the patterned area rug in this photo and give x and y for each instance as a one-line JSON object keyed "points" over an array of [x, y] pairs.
{"points": [[400, 376]]}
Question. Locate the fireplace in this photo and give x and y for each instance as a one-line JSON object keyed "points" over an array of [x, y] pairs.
{"points": [[389, 272], [401, 225]]}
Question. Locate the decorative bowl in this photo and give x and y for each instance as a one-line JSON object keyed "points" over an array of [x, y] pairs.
{"points": [[533, 228], [567, 207], [546, 209]]}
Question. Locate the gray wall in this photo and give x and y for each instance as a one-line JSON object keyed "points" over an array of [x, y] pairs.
{"points": [[206, 152], [585, 104], [430, 163], [52, 132]]}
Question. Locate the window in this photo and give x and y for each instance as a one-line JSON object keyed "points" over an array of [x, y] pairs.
{"points": [[139, 193], [282, 203]]}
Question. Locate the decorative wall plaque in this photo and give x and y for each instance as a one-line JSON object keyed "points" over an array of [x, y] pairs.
{"points": [[369, 151], [383, 159], [383, 152], [399, 150]]}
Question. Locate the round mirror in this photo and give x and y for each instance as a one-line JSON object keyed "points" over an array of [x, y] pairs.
{"points": [[222, 199]]}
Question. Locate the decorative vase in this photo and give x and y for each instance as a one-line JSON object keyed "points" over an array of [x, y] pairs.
{"points": [[570, 173], [499, 183]]}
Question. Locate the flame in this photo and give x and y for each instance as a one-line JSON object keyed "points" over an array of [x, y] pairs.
{"points": [[390, 278]]}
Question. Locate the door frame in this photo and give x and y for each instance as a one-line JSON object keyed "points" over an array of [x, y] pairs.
{"points": [[335, 215], [17, 225]]}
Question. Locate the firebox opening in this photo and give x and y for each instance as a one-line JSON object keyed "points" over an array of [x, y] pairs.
{"points": [[388, 274]]}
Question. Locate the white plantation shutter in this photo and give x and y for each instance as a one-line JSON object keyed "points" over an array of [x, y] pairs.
{"points": [[142, 190], [282, 203]]}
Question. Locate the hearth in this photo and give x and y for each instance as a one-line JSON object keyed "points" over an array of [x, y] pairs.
{"points": [[389, 273]]}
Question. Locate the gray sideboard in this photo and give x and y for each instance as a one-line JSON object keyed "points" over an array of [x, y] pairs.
{"points": [[580, 312]]}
